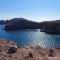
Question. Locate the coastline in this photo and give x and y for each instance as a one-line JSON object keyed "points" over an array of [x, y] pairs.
{"points": [[27, 52]]}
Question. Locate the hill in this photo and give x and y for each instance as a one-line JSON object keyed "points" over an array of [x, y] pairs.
{"points": [[21, 23], [51, 27]]}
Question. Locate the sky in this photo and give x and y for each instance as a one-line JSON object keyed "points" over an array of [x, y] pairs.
{"points": [[35, 10]]}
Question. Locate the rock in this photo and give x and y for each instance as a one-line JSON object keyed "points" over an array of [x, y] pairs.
{"points": [[12, 50], [30, 55], [51, 52]]}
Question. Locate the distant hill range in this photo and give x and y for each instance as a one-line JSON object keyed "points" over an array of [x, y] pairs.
{"points": [[50, 27], [20, 23]]}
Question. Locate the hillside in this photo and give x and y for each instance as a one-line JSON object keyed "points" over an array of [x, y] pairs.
{"points": [[21, 23], [51, 27], [10, 51]]}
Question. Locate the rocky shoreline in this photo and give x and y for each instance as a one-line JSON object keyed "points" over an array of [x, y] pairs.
{"points": [[10, 51]]}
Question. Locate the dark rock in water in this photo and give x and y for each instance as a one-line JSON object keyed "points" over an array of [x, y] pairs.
{"points": [[12, 50]]}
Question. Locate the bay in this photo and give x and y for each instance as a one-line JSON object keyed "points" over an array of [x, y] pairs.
{"points": [[31, 37]]}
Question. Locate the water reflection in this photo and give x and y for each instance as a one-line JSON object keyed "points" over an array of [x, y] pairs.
{"points": [[31, 37]]}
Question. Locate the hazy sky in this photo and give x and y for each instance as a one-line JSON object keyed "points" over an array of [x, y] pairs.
{"points": [[36, 10]]}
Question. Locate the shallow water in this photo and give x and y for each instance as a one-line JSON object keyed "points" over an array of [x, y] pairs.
{"points": [[31, 37]]}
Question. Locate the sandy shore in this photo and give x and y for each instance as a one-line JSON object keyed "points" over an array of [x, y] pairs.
{"points": [[27, 52]]}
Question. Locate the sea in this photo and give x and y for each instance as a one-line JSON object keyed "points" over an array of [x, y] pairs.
{"points": [[31, 37]]}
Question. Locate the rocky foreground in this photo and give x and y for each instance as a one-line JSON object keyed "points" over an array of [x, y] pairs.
{"points": [[10, 51]]}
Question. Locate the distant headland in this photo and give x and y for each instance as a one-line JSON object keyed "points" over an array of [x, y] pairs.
{"points": [[50, 27]]}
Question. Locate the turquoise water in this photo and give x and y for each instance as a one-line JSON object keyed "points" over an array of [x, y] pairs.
{"points": [[31, 37]]}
